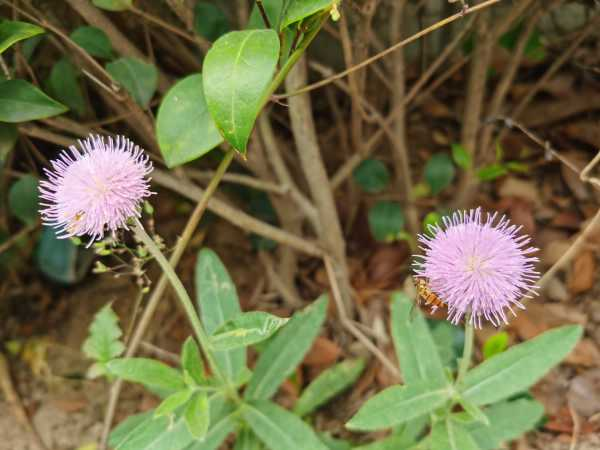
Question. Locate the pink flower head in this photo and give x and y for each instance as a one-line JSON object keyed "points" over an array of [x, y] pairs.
{"points": [[478, 266], [96, 187]]}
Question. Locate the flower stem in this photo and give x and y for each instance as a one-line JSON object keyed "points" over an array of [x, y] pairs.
{"points": [[465, 361], [183, 297]]}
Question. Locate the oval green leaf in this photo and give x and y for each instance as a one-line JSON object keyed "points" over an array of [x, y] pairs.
{"points": [[21, 101], [210, 21], [519, 367], [8, 139], [461, 156], [94, 41], [300, 9], [139, 78], [372, 176], [181, 141], [64, 85], [12, 31], [439, 172], [237, 71], [23, 199], [278, 428], [191, 361], [386, 221]]}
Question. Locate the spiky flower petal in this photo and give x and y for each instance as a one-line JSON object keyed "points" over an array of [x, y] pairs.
{"points": [[96, 187], [477, 265]]}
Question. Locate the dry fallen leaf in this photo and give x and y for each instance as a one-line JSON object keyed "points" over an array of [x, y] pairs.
{"points": [[585, 353], [582, 276], [584, 393], [323, 352]]}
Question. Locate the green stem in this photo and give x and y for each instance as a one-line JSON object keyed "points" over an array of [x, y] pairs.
{"points": [[465, 361]]}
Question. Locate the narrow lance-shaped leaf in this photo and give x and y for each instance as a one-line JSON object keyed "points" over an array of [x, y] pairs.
{"points": [[21, 101], [218, 302], [172, 402], [12, 31], [148, 372], [246, 329], [415, 347], [247, 440], [519, 367], [285, 351], [329, 384], [278, 428], [197, 415], [450, 435], [237, 71], [191, 361], [398, 404]]}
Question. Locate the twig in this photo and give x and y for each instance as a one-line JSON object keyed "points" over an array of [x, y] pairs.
{"points": [[243, 180], [8, 243], [11, 396], [349, 324], [160, 353], [263, 13], [389, 50], [289, 297], [576, 427]]}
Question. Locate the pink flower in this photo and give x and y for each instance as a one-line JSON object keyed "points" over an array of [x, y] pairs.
{"points": [[95, 188], [476, 266]]}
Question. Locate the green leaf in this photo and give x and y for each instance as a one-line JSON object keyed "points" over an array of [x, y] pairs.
{"points": [[519, 367], [94, 41], [439, 172], [8, 139], [246, 329], [392, 442], [285, 351], [210, 21], [508, 420], [172, 402], [147, 372], [191, 361], [461, 156], [247, 440], [113, 5], [103, 342], [386, 221], [450, 435], [273, 9], [516, 166], [431, 219], [181, 141], [136, 76], [372, 176], [64, 85], [398, 404], [218, 302], [328, 384], [415, 347], [60, 259], [21, 101], [237, 71], [491, 172], [333, 443], [449, 340], [23, 199], [278, 428], [12, 31], [495, 344], [197, 416], [300, 9], [476, 414]]}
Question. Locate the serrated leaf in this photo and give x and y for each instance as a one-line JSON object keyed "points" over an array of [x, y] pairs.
{"points": [[103, 342], [21, 101], [328, 384], [237, 71], [450, 435], [172, 402], [94, 41], [23, 199], [439, 172], [113, 5], [181, 141], [278, 428], [285, 351], [461, 156], [372, 176], [398, 404], [138, 78], [301, 9], [508, 420], [64, 85], [218, 302], [197, 416], [414, 344], [147, 372], [246, 329], [495, 344], [191, 361], [519, 367], [210, 21], [12, 31], [386, 221]]}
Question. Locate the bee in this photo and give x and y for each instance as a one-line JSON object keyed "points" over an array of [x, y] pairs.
{"points": [[426, 295]]}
